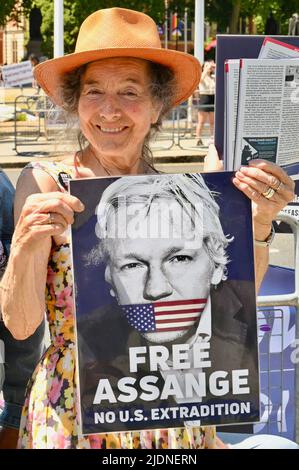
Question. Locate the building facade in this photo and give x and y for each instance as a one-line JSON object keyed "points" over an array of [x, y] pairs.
{"points": [[20, 38], [12, 42]]}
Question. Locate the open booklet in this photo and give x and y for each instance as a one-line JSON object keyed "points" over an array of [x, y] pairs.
{"points": [[230, 49], [262, 107]]}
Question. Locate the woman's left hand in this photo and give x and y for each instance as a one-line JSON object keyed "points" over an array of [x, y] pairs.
{"points": [[253, 180], [263, 177]]}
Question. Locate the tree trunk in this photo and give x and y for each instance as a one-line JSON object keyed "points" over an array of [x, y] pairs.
{"points": [[250, 25], [234, 19]]}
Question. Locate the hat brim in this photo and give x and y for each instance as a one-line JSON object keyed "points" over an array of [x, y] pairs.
{"points": [[186, 68]]}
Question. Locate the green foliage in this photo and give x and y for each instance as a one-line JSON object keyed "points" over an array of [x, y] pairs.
{"points": [[9, 10], [47, 28], [179, 6], [5, 10], [281, 9], [220, 11], [75, 11]]}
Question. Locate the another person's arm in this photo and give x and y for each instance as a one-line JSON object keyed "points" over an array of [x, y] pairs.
{"points": [[208, 67], [22, 289], [21, 358]]}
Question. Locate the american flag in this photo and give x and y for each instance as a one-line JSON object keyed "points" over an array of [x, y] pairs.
{"points": [[177, 315]]}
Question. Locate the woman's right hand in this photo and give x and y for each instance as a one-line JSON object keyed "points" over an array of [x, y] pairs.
{"points": [[45, 215], [22, 289]]}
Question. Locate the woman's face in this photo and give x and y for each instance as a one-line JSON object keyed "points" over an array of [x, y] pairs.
{"points": [[116, 108]]}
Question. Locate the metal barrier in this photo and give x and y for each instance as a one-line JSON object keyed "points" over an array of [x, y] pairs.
{"points": [[6, 114], [293, 298], [179, 127], [278, 320], [278, 323], [28, 122], [34, 127]]}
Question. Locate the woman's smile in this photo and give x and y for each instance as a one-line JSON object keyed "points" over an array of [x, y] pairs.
{"points": [[114, 130]]}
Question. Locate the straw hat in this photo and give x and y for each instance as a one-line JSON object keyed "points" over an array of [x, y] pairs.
{"points": [[118, 32]]}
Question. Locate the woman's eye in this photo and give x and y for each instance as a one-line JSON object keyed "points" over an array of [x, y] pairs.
{"points": [[93, 91], [130, 93]]}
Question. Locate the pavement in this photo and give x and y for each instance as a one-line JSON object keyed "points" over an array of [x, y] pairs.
{"points": [[164, 152]]}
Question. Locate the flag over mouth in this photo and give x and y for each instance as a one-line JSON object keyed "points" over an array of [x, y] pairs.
{"points": [[159, 317]]}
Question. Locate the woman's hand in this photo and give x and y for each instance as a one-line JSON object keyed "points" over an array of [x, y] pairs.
{"points": [[258, 178], [253, 180], [45, 215]]}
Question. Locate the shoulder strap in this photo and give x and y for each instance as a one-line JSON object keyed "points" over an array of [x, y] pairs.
{"points": [[60, 172]]}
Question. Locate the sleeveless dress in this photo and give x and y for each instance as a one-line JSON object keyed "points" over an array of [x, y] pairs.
{"points": [[50, 413]]}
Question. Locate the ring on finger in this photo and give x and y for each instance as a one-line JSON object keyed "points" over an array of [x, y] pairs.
{"points": [[277, 184], [269, 193], [50, 218]]}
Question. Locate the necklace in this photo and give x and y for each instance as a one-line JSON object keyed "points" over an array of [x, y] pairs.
{"points": [[150, 168], [108, 172]]}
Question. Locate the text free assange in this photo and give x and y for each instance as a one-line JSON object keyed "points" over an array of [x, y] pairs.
{"points": [[194, 383]]}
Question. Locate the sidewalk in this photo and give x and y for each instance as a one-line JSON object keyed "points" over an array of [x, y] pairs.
{"points": [[185, 152]]}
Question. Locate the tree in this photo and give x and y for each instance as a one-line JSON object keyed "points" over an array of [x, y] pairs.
{"points": [[75, 11], [5, 10], [11, 9], [219, 11], [227, 13], [234, 17]]}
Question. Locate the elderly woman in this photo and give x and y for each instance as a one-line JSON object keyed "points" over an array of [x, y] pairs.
{"points": [[117, 84]]}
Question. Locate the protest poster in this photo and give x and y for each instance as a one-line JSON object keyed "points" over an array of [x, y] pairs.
{"points": [[293, 207], [165, 303], [15, 75]]}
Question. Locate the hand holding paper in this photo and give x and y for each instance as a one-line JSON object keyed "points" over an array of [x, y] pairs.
{"points": [[254, 181]]}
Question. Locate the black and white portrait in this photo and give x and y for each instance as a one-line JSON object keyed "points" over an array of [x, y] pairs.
{"points": [[173, 327]]}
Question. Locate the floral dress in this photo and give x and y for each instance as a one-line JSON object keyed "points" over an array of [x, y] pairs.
{"points": [[50, 413]]}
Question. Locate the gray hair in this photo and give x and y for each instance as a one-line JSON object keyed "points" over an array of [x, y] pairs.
{"points": [[162, 89], [188, 190]]}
